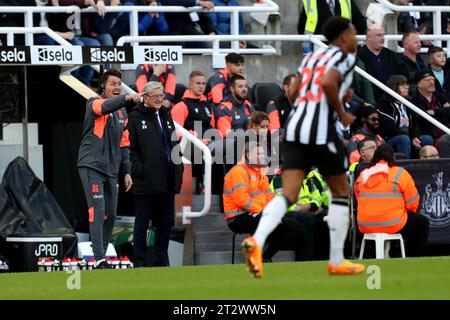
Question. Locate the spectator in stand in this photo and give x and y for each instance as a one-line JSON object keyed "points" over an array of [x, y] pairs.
{"points": [[326, 9], [182, 23], [234, 113], [410, 60], [445, 17], [117, 24], [422, 21], [58, 22], [369, 119], [88, 30], [17, 20], [194, 112], [362, 88], [151, 23], [315, 12], [162, 73], [279, 108], [198, 24], [428, 152], [366, 149], [222, 21], [379, 61], [395, 116], [404, 22], [218, 85], [434, 103], [437, 61], [413, 20]]}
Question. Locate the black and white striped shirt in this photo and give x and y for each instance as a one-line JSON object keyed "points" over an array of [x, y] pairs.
{"points": [[312, 120]]}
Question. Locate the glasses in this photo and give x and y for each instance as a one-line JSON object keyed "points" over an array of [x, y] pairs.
{"points": [[431, 156], [373, 119], [156, 96]]}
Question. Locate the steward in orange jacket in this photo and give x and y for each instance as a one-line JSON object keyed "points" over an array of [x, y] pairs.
{"points": [[246, 189], [388, 199], [246, 193]]}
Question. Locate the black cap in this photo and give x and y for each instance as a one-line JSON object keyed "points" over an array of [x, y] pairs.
{"points": [[422, 74]]}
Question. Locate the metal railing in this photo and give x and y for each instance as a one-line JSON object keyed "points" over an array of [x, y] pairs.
{"points": [[394, 94], [435, 10], [268, 7], [314, 38]]}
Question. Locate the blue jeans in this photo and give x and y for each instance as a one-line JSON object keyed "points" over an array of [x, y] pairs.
{"points": [[105, 39], [84, 74], [43, 40], [402, 144]]}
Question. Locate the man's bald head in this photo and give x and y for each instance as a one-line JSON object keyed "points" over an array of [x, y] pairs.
{"points": [[375, 38], [428, 152]]}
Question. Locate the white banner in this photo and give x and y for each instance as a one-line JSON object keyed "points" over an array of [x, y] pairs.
{"points": [[158, 55], [56, 55]]}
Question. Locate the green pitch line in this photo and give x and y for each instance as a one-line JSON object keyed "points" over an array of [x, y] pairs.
{"points": [[424, 278]]}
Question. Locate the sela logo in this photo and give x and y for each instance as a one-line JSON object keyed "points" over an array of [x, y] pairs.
{"points": [[109, 55], [14, 55], [158, 54], [46, 250], [56, 54], [97, 196]]}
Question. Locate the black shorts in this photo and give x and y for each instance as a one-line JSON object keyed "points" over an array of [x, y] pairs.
{"points": [[331, 159]]}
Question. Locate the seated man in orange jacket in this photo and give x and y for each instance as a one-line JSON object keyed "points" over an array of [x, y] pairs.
{"points": [[388, 200], [246, 193]]}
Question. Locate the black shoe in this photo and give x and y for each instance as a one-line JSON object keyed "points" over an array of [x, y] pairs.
{"points": [[102, 265]]}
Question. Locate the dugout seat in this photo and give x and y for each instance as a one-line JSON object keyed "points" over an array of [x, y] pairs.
{"points": [[179, 91], [262, 93]]}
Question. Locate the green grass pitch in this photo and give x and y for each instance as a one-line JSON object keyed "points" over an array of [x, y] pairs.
{"points": [[422, 278]]}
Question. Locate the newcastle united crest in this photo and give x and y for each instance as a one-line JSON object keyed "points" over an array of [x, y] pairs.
{"points": [[436, 202]]}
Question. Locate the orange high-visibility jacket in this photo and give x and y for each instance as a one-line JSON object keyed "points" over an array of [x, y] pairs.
{"points": [[246, 189], [384, 196]]}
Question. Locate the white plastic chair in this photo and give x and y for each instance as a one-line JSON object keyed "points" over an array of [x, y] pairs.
{"points": [[382, 244]]}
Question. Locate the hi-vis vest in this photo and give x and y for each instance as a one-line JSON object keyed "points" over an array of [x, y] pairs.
{"points": [[312, 14], [384, 195], [246, 189], [314, 190]]}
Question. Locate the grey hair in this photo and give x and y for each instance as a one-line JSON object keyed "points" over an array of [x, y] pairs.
{"points": [[152, 85]]}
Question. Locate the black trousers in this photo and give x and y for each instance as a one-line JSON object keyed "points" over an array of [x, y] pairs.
{"points": [[415, 233], [286, 236], [307, 223], [160, 209]]}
